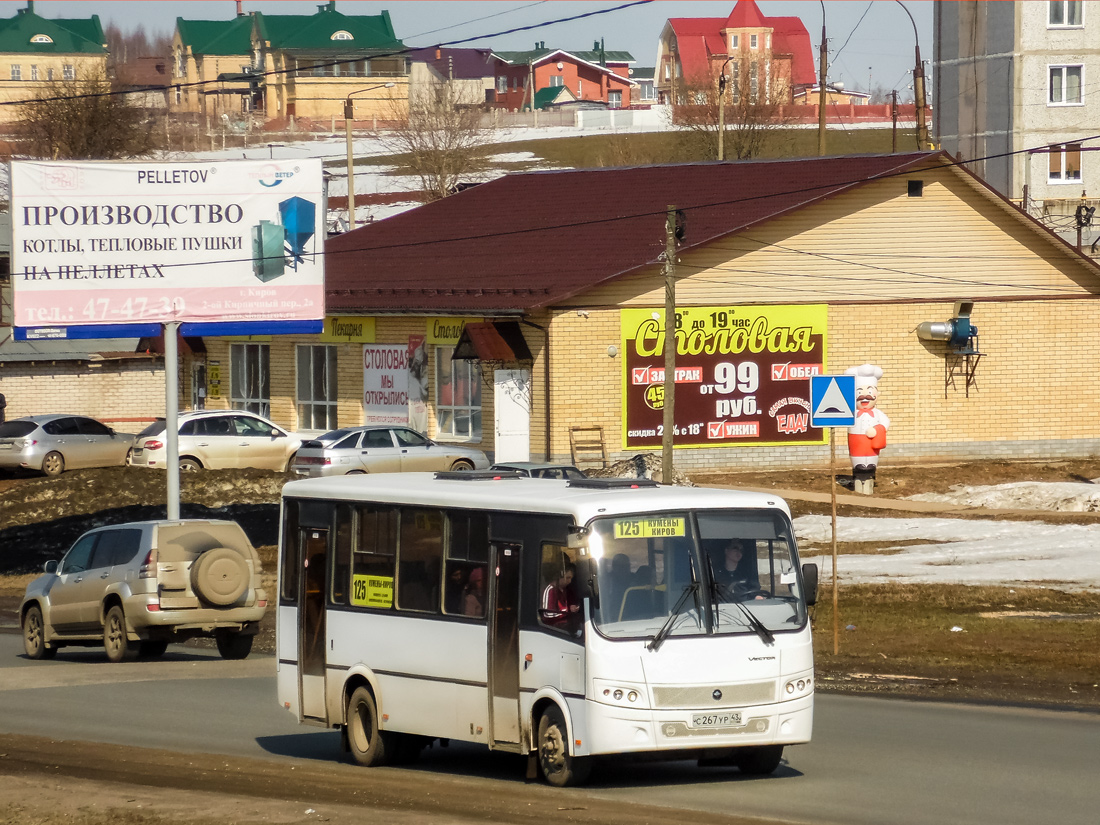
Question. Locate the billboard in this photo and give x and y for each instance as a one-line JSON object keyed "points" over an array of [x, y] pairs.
{"points": [[101, 244], [385, 384], [742, 375]]}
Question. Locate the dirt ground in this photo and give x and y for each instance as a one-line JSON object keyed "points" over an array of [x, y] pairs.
{"points": [[48, 782]]}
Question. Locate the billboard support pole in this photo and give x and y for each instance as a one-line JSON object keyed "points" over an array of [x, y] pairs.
{"points": [[668, 412], [171, 416]]}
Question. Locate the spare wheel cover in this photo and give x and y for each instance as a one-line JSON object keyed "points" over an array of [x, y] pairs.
{"points": [[220, 576]]}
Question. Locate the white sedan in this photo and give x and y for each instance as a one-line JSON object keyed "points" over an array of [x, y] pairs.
{"points": [[374, 449]]}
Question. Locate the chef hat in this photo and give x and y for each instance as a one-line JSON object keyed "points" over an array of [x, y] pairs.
{"points": [[867, 375]]}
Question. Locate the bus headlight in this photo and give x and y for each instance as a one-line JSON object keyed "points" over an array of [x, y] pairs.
{"points": [[623, 695], [798, 687]]}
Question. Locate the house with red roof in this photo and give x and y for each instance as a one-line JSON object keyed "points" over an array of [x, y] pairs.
{"points": [[535, 304], [597, 75], [771, 57]]}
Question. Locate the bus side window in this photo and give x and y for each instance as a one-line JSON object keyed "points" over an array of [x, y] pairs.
{"points": [[559, 607], [466, 566], [341, 557], [373, 555], [420, 560], [289, 562]]}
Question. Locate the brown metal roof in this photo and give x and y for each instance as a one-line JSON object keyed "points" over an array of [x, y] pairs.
{"points": [[492, 341], [532, 240]]}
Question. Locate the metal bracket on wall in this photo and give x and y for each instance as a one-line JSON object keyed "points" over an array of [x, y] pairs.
{"points": [[961, 364]]}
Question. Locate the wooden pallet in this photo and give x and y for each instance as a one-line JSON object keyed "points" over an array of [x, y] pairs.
{"points": [[587, 447]]}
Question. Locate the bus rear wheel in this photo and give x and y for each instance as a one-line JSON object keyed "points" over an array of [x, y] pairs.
{"points": [[369, 746], [559, 767]]}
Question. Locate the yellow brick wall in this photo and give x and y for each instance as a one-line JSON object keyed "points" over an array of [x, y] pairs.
{"points": [[585, 381], [125, 395]]}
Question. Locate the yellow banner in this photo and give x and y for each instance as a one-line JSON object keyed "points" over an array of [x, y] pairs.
{"points": [[446, 331], [345, 328], [372, 591], [649, 528]]}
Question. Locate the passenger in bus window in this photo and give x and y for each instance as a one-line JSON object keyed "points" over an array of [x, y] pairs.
{"points": [[556, 606], [736, 574], [473, 599], [454, 591]]}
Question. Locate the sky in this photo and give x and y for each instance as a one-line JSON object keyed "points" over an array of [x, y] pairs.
{"points": [[870, 41]]}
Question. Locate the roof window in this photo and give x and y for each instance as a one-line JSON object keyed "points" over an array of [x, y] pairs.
{"points": [[42, 38], [341, 35]]}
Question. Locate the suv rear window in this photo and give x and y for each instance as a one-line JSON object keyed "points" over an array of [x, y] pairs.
{"points": [[156, 428], [17, 429]]}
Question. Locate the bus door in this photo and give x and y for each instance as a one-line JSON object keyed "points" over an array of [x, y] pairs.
{"points": [[503, 659], [313, 544]]}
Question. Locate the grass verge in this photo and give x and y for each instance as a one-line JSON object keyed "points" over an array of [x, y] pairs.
{"points": [[1021, 645]]}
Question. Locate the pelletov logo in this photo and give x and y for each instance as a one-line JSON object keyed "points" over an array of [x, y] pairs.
{"points": [[271, 175]]}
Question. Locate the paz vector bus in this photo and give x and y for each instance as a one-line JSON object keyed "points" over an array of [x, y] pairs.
{"points": [[561, 620]]}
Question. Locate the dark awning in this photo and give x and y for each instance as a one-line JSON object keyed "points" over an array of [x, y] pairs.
{"points": [[492, 341]]}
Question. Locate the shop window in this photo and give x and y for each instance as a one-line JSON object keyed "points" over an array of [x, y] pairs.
{"points": [[317, 391], [250, 378], [457, 397]]}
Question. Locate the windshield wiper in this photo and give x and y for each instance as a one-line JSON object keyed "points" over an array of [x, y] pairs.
{"points": [[714, 589], [659, 639], [756, 624]]}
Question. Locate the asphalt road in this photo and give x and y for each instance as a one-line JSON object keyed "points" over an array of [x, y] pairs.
{"points": [[871, 761]]}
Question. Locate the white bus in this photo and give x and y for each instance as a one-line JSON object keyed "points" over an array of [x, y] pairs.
{"points": [[415, 607]]}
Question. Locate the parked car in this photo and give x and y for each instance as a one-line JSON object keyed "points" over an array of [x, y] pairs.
{"points": [[216, 440], [136, 587], [374, 449], [52, 444], [536, 469]]}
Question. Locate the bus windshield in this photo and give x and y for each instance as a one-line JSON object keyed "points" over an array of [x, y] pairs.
{"points": [[718, 571]]}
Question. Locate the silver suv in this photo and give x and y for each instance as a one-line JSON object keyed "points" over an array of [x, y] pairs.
{"points": [[136, 587]]}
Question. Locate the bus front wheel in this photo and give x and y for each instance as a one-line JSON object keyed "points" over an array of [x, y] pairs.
{"points": [[559, 768], [369, 746], [758, 761]]}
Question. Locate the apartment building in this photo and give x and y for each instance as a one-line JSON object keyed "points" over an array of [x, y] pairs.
{"points": [[1015, 94]]}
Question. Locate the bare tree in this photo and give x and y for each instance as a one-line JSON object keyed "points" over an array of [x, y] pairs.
{"points": [[753, 119], [126, 48], [85, 118], [442, 140]]}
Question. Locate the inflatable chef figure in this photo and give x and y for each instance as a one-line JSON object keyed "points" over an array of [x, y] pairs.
{"points": [[867, 436]]}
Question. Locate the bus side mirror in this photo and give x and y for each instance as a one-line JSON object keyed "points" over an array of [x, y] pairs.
{"points": [[809, 579]]}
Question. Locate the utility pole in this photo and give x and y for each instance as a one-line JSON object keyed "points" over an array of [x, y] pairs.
{"points": [[669, 402], [822, 74], [531, 80], [894, 121], [918, 88]]}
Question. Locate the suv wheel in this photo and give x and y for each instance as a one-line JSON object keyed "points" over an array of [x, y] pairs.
{"points": [[34, 636], [233, 645], [119, 648]]}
